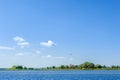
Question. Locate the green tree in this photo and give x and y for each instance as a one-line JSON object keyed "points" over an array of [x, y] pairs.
{"points": [[25, 68], [53, 67], [87, 65], [104, 66], [67, 67], [98, 66], [19, 67], [62, 67]]}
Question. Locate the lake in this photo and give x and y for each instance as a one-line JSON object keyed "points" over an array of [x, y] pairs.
{"points": [[61, 75]]}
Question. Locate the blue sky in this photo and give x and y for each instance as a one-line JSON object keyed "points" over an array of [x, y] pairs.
{"points": [[37, 33]]}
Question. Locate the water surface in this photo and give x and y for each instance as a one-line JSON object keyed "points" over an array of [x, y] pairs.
{"points": [[61, 75]]}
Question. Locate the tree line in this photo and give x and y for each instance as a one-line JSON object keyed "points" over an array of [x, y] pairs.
{"points": [[86, 66], [19, 67], [83, 66]]}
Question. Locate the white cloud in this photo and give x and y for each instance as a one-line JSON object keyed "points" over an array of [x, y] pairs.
{"points": [[20, 41], [47, 56], [53, 57], [59, 57], [23, 44], [19, 54], [49, 43], [6, 48]]}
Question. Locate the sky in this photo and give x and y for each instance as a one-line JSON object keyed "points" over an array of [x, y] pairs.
{"points": [[40, 33]]}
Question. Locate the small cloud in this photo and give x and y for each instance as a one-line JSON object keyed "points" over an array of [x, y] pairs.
{"points": [[48, 44], [19, 54], [59, 57], [6, 48], [47, 56], [53, 57], [23, 44], [20, 41], [71, 59]]}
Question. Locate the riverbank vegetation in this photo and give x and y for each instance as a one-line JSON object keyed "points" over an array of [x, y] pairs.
{"points": [[83, 66]]}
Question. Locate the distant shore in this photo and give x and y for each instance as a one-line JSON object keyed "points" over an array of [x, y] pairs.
{"points": [[83, 66]]}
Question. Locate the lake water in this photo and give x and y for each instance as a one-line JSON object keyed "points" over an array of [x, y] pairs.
{"points": [[61, 75]]}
